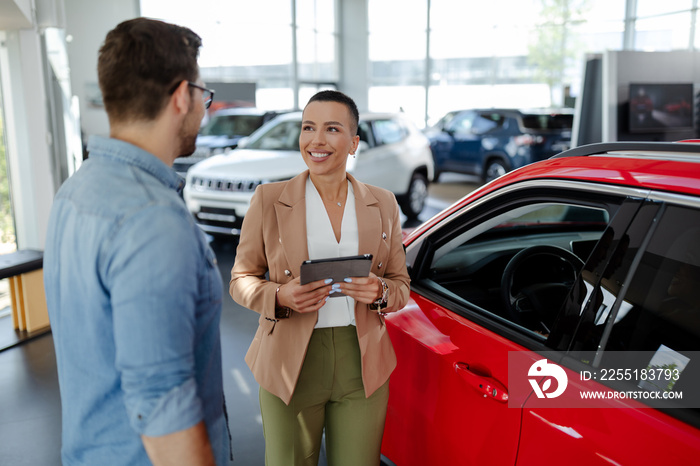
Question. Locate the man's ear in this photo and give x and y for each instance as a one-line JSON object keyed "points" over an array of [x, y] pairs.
{"points": [[180, 99]]}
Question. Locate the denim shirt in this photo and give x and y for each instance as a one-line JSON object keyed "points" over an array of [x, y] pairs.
{"points": [[134, 297]]}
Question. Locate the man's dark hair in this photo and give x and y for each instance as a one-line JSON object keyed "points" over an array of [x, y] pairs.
{"points": [[337, 96], [141, 63]]}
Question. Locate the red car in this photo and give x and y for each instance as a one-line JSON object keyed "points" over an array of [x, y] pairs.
{"points": [[555, 317]]}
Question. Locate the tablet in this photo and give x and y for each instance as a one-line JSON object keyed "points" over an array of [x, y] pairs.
{"points": [[337, 268]]}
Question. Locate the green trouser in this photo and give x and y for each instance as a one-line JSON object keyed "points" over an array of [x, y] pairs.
{"points": [[329, 394]]}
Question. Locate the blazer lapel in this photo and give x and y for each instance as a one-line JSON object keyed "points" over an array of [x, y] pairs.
{"points": [[290, 209], [369, 220]]}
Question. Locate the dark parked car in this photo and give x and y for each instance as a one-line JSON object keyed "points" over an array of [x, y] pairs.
{"points": [[490, 142], [554, 317], [222, 132]]}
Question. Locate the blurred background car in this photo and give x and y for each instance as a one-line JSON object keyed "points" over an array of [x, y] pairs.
{"points": [[490, 142], [392, 154], [222, 132], [590, 260]]}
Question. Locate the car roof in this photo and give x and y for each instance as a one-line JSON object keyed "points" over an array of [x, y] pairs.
{"points": [[363, 116], [521, 111], [672, 167], [240, 111]]}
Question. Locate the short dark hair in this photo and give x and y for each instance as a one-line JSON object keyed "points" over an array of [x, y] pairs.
{"points": [[141, 63], [337, 96]]}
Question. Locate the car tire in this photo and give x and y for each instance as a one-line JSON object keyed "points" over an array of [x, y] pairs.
{"points": [[413, 202], [494, 169]]}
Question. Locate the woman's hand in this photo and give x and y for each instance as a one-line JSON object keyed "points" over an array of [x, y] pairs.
{"points": [[304, 298], [363, 289]]}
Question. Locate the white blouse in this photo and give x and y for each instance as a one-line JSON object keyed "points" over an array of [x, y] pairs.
{"points": [[339, 311]]}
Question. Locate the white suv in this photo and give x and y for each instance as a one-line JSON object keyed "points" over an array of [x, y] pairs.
{"points": [[393, 154]]}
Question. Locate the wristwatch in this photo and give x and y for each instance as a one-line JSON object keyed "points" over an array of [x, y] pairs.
{"points": [[382, 301]]}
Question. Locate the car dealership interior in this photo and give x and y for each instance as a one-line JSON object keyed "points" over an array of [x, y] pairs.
{"points": [[566, 73]]}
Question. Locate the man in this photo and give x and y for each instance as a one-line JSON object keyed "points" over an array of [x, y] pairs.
{"points": [[133, 289]]}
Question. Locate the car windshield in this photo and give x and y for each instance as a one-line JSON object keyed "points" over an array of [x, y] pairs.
{"points": [[231, 125], [554, 121], [282, 136]]}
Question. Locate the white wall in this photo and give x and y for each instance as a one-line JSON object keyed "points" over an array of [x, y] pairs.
{"points": [[620, 68]]}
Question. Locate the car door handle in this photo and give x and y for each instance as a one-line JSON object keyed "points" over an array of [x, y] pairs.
{"points": [[488, 386]]}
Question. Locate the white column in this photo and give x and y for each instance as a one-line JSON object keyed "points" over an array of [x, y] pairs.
{"points": [[28, 136], [353, 51]]}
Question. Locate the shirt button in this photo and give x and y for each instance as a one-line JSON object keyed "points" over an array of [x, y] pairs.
{"points": [[379, 266], [288, 273], [383, 235]]}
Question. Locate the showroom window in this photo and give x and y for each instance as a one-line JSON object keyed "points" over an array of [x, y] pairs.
{"points": [[7, 225]]}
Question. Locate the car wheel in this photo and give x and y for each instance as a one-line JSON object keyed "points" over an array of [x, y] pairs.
{"points": [[413, 202], [494, 169]]}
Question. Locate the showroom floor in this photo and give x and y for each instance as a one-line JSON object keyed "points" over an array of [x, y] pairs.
{"points": [[30, 413]]}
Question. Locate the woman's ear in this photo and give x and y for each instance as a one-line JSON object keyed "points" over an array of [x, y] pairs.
{"points": [[355, 143]]}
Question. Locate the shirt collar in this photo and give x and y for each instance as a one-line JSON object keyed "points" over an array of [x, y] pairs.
{"points": [[122, 151]]}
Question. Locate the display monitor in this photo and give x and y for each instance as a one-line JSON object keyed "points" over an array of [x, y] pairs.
{"points": [[657, 108]]}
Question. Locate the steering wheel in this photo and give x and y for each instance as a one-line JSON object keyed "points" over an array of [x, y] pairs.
{"points": [[535, 283]]}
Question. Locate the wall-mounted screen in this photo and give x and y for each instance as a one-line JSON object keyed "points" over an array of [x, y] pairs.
{"points": [[657, 108]]}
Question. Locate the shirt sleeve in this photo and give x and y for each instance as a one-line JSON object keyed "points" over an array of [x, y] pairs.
{"points": [[153, 264]]}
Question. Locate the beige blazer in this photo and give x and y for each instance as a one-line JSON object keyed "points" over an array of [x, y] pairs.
{"points": [[273, 238]]}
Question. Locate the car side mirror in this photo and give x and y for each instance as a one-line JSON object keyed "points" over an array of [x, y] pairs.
{"points": [[242, 142]]}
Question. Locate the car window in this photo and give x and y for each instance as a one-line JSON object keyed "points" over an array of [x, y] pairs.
{"points": [[232, 125], [462, 123], [389, 131], [520, 264], [547, 122], [486, 122], [657, 314], [364, 130], [283, 136]]}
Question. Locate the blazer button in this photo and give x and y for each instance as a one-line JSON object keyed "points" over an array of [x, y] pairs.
{"points": [[383, 235], [379, 266], [287, 273]]}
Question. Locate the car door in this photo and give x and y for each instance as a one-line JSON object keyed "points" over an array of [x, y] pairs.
{"points": [[636, 341], [472, 140], [450, 401], [457, 148]]}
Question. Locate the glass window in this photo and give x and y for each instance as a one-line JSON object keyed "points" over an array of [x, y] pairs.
{"points": [[663, 299], [661, 33], [283, 136], [232, 125], [655, 7], [7, 223], [656, 325], [520, 264], [388, 131]]}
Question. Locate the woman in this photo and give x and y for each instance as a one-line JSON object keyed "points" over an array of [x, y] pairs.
{"points": [[321, 361]]}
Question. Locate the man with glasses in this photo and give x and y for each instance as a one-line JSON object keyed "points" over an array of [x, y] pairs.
{"points": [[133, 288]]}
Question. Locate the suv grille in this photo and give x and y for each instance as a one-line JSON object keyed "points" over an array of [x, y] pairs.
{"points": [[213, 184]]}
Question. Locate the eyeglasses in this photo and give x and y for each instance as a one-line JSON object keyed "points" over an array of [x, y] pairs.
{"points": [[207, 94]]}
